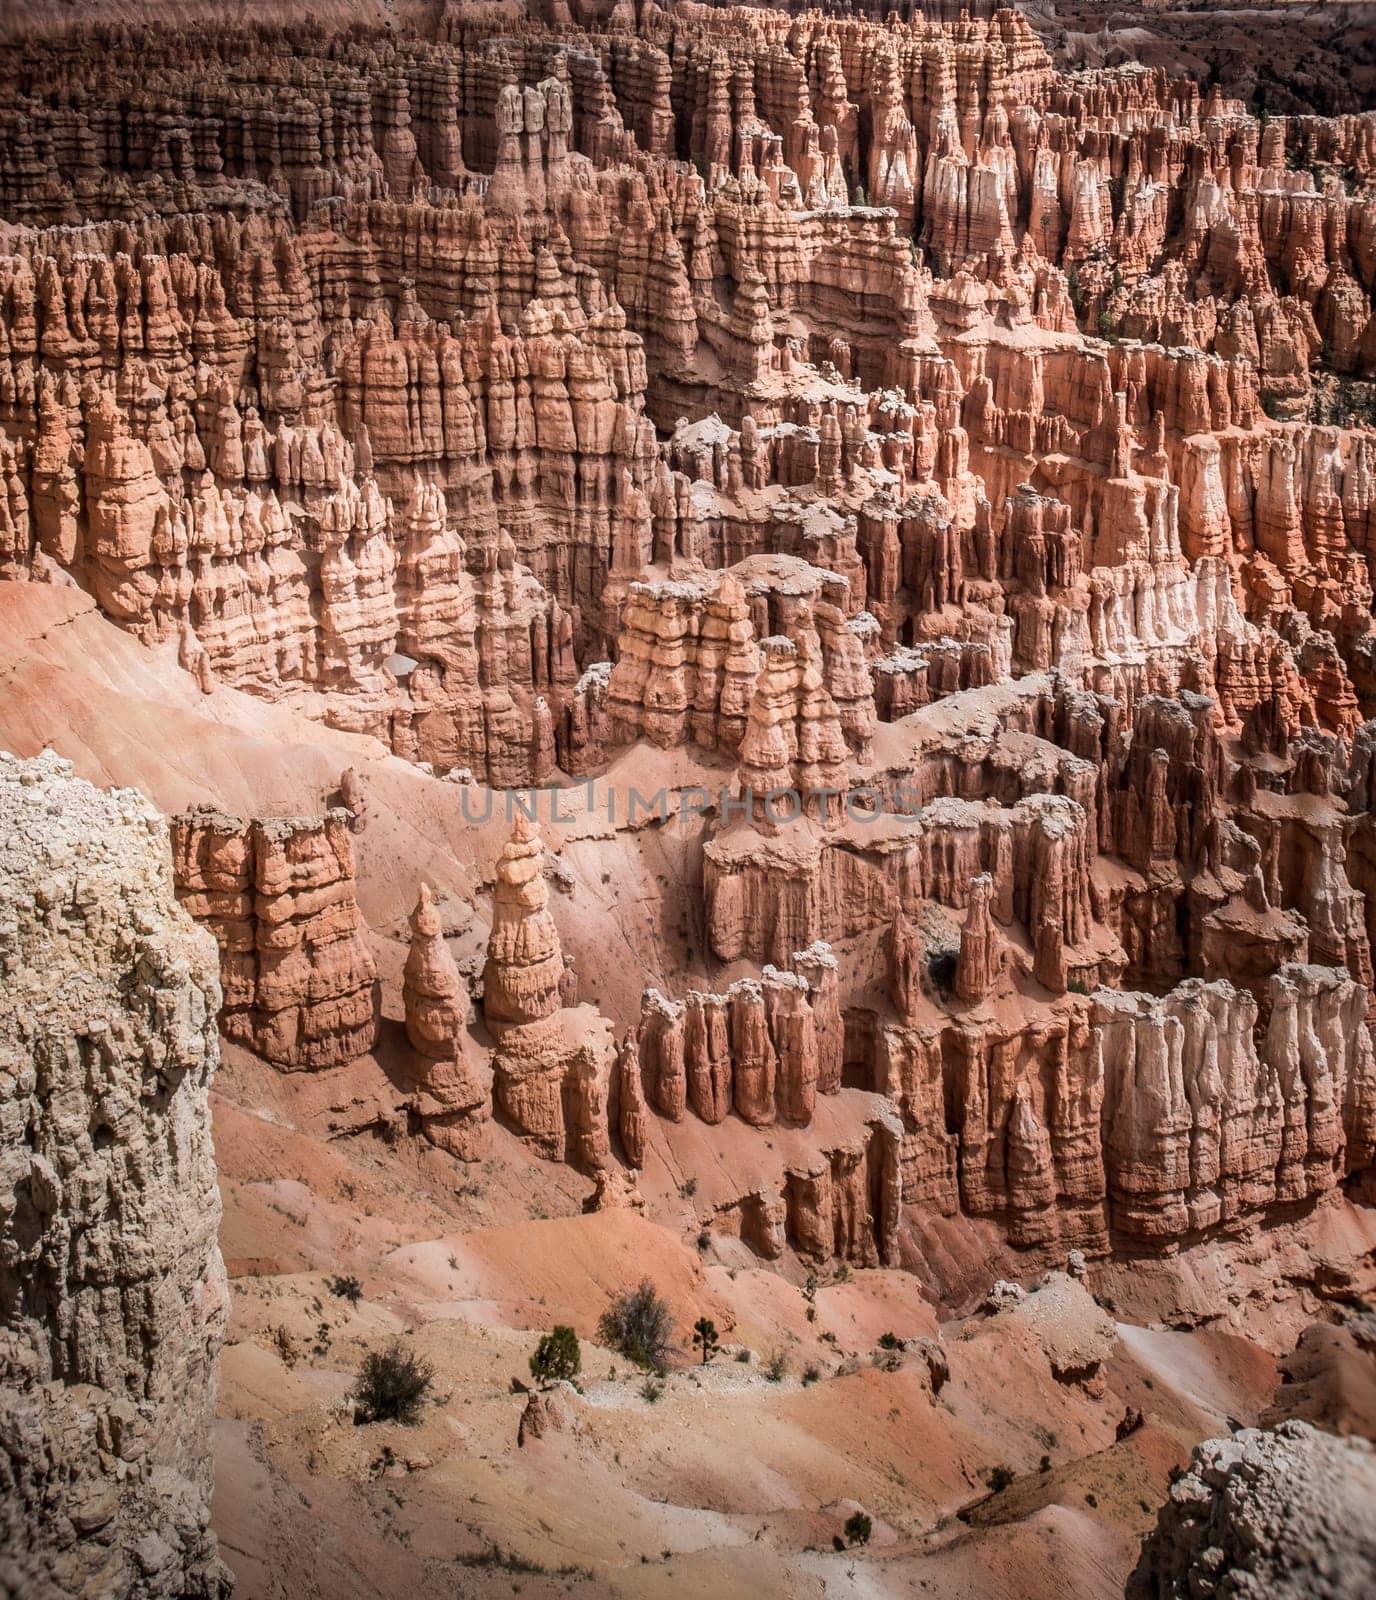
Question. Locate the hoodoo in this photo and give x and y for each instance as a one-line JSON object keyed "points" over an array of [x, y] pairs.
{"points": [[755, 624]]}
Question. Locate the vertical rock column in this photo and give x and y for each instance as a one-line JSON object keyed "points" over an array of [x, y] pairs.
{"points": [[553, 1064], [818, 965], [453, 1103], [524, 959], [631, 1115], [278, 894], [977, 965]]}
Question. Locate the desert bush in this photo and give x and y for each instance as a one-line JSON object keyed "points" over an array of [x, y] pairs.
{"points": [[392, 1383], [858, 1528], [640, 1325], [347, 1288]]}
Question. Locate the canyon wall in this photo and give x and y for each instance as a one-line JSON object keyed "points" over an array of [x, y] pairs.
{"points": [[957, 473], [389, 409]]}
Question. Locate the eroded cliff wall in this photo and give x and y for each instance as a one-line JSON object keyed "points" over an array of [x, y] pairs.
{"points": [[112, 1290]]}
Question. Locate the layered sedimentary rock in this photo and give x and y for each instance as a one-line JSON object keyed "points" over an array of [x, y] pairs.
{"points": [[433, 994], [764, 1049], [381, 411], [553, 1066], [453, 1099], [525, 963], [844, 1204], [1208, 1116], [958, 475], [112, 1292], [950, 475], [278, 893], [840, 1202]]}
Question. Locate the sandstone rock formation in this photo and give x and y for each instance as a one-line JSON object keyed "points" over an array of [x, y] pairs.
{"points": [[368, 414], [524, 960], [278, 894], [757, 1049], [112, 1291], [433, 994], [904, 474], [964, 472], [1281, 1512], [453, 1100], [553, 1065]]}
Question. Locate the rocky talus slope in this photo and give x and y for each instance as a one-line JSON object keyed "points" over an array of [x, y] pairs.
{"points": [[1283, 1514], [112, 1290]]}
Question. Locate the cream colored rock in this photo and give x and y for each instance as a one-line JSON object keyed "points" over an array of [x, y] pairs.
{"points": [[108, 985]]}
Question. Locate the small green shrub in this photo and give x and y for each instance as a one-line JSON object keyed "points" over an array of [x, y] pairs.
{"points": [[858, 1528], [776, 1366], [557, 1356], [640, 1325], [349, 1289], [890, 1341], [705, 1338], [999, 1478], [392, 1383]]}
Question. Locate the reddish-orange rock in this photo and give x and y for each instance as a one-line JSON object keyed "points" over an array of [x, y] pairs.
{"points": [[525, 963], [278, 894], [958, 477], [631, 1112], [433, 994]]}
